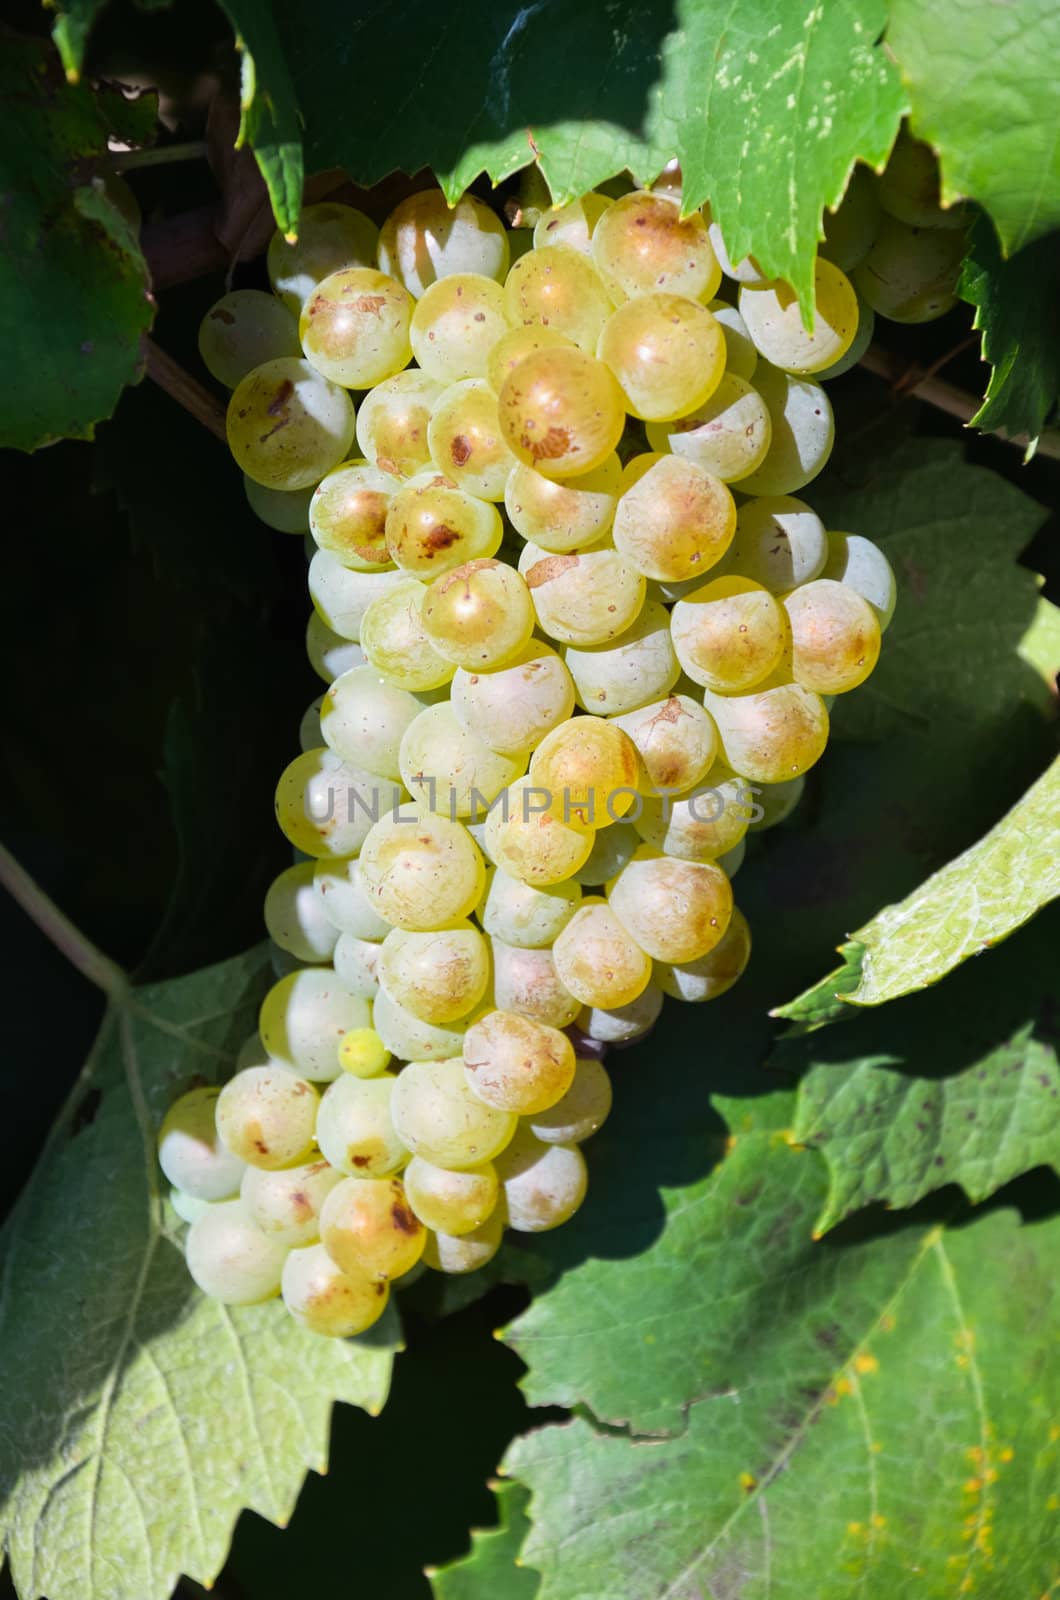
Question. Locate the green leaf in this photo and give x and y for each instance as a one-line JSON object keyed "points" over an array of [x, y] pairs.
{"points": [[960, 1085], [853, 1424], [74, 294], [775, 102], [491, 1570], [976, 900], [982, 85], [141, 1416], [271, 121], [1040, 645], [1016, 310], [825, 1001]]}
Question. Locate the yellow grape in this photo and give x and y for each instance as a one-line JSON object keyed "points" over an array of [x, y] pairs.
{"points": [[532, 841], [229, 1257], [450, 768], [910, 274], [675, 910], [589, 768], [598, 960], [392, 423], [438, 975], [347, 515], [465, 1252], [729, 635], [676, 521], [774, 320], [642, 245], [741, 357], [439, 1117], [396, 643], [516, 1064], [420, 870], [325, 806], [456, 324], [746, 270], [513, 707], [728, 436], [425, 239], [770, 735], [803, 432], [563, 516], [676, 741], [561, 411], [325, 1300], [466, 441], [909, 187], [242, 331], [454, 1202], [543, 1184], [703, 825], [572, 225], [433, 525], [286, 1204], [585, 597], [355, 327], [713, 974], [513, 347], [835, 636], [367, 1225], [330, 236], [526, 982], [584, 1108], [287, 426], [862, 565], [480, 615], [561, 290], [266, 1116], [637, 667], [780, 543], [667, 353]]}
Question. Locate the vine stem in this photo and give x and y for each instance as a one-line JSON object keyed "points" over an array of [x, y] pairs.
{"points": [[184, 389], [56, 926], [946, 397], [158, 156]]}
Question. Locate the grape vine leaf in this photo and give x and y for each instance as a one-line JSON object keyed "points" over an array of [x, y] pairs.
{"points": [[1017, 310], [271, 121], [142, 1417], [981, 80], [74, 292], [776, 1417], [490, 1571], [959, 1085], [974, 901]]}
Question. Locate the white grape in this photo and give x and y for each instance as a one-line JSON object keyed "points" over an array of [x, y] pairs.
{"points": [[582, 1111], [295, 917], [303, 1019], [542, 1184], [230, 1258], [190, 1152], [355, 1126]]}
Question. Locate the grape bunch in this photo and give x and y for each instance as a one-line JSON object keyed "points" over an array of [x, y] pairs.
{"points": [[580, 634]]}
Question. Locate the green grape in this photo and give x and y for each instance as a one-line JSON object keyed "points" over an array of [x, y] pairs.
{"points": [[729, 635], [512, 708], [675, 910], [515, 1064], [519, 914], [729, 436], [586, 597], [347, 515], [356, 963], [862, 566], [304, 1016], [448, 769], [466, 441], [713, 973], [244, 329], [355, 1127], [850, 229], [425, 239], [563, 516], [330, 655], [465, 1252], [582, 1111], [861, 341], [771, 734], [229, 1257], [513, 347], [189, 1151], [363, 719], [479, 616], [526, 982], [439, 976], [702, 826], [325, 1300], [572, 225], [421, 871], [345, 900], [532, 841], [622, 1024], [775, 802], [396, 641], [186, 1206], [342, 596], [746, 270], [542, 1184], [599, 960], [409, 1038], [285, 510], [835, 636], [803, 432], [558, 289], [666, 353], [741, 357], [634, 669], [325, 806], [642, 245], [439, 1117], [456, 324], [774, 320], [309, 734], [330, 237], [286, 1204], [589, 768], [434, 525], [392, 423], [454, 1202], [780, 543], [909, 187], [612, 848], [561, 411], [363, 1053], [295, 917], [266, 1115], [910, 274], [287, 426], [676, 741], [676, 521], [367, 1225], [355, 327]]}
